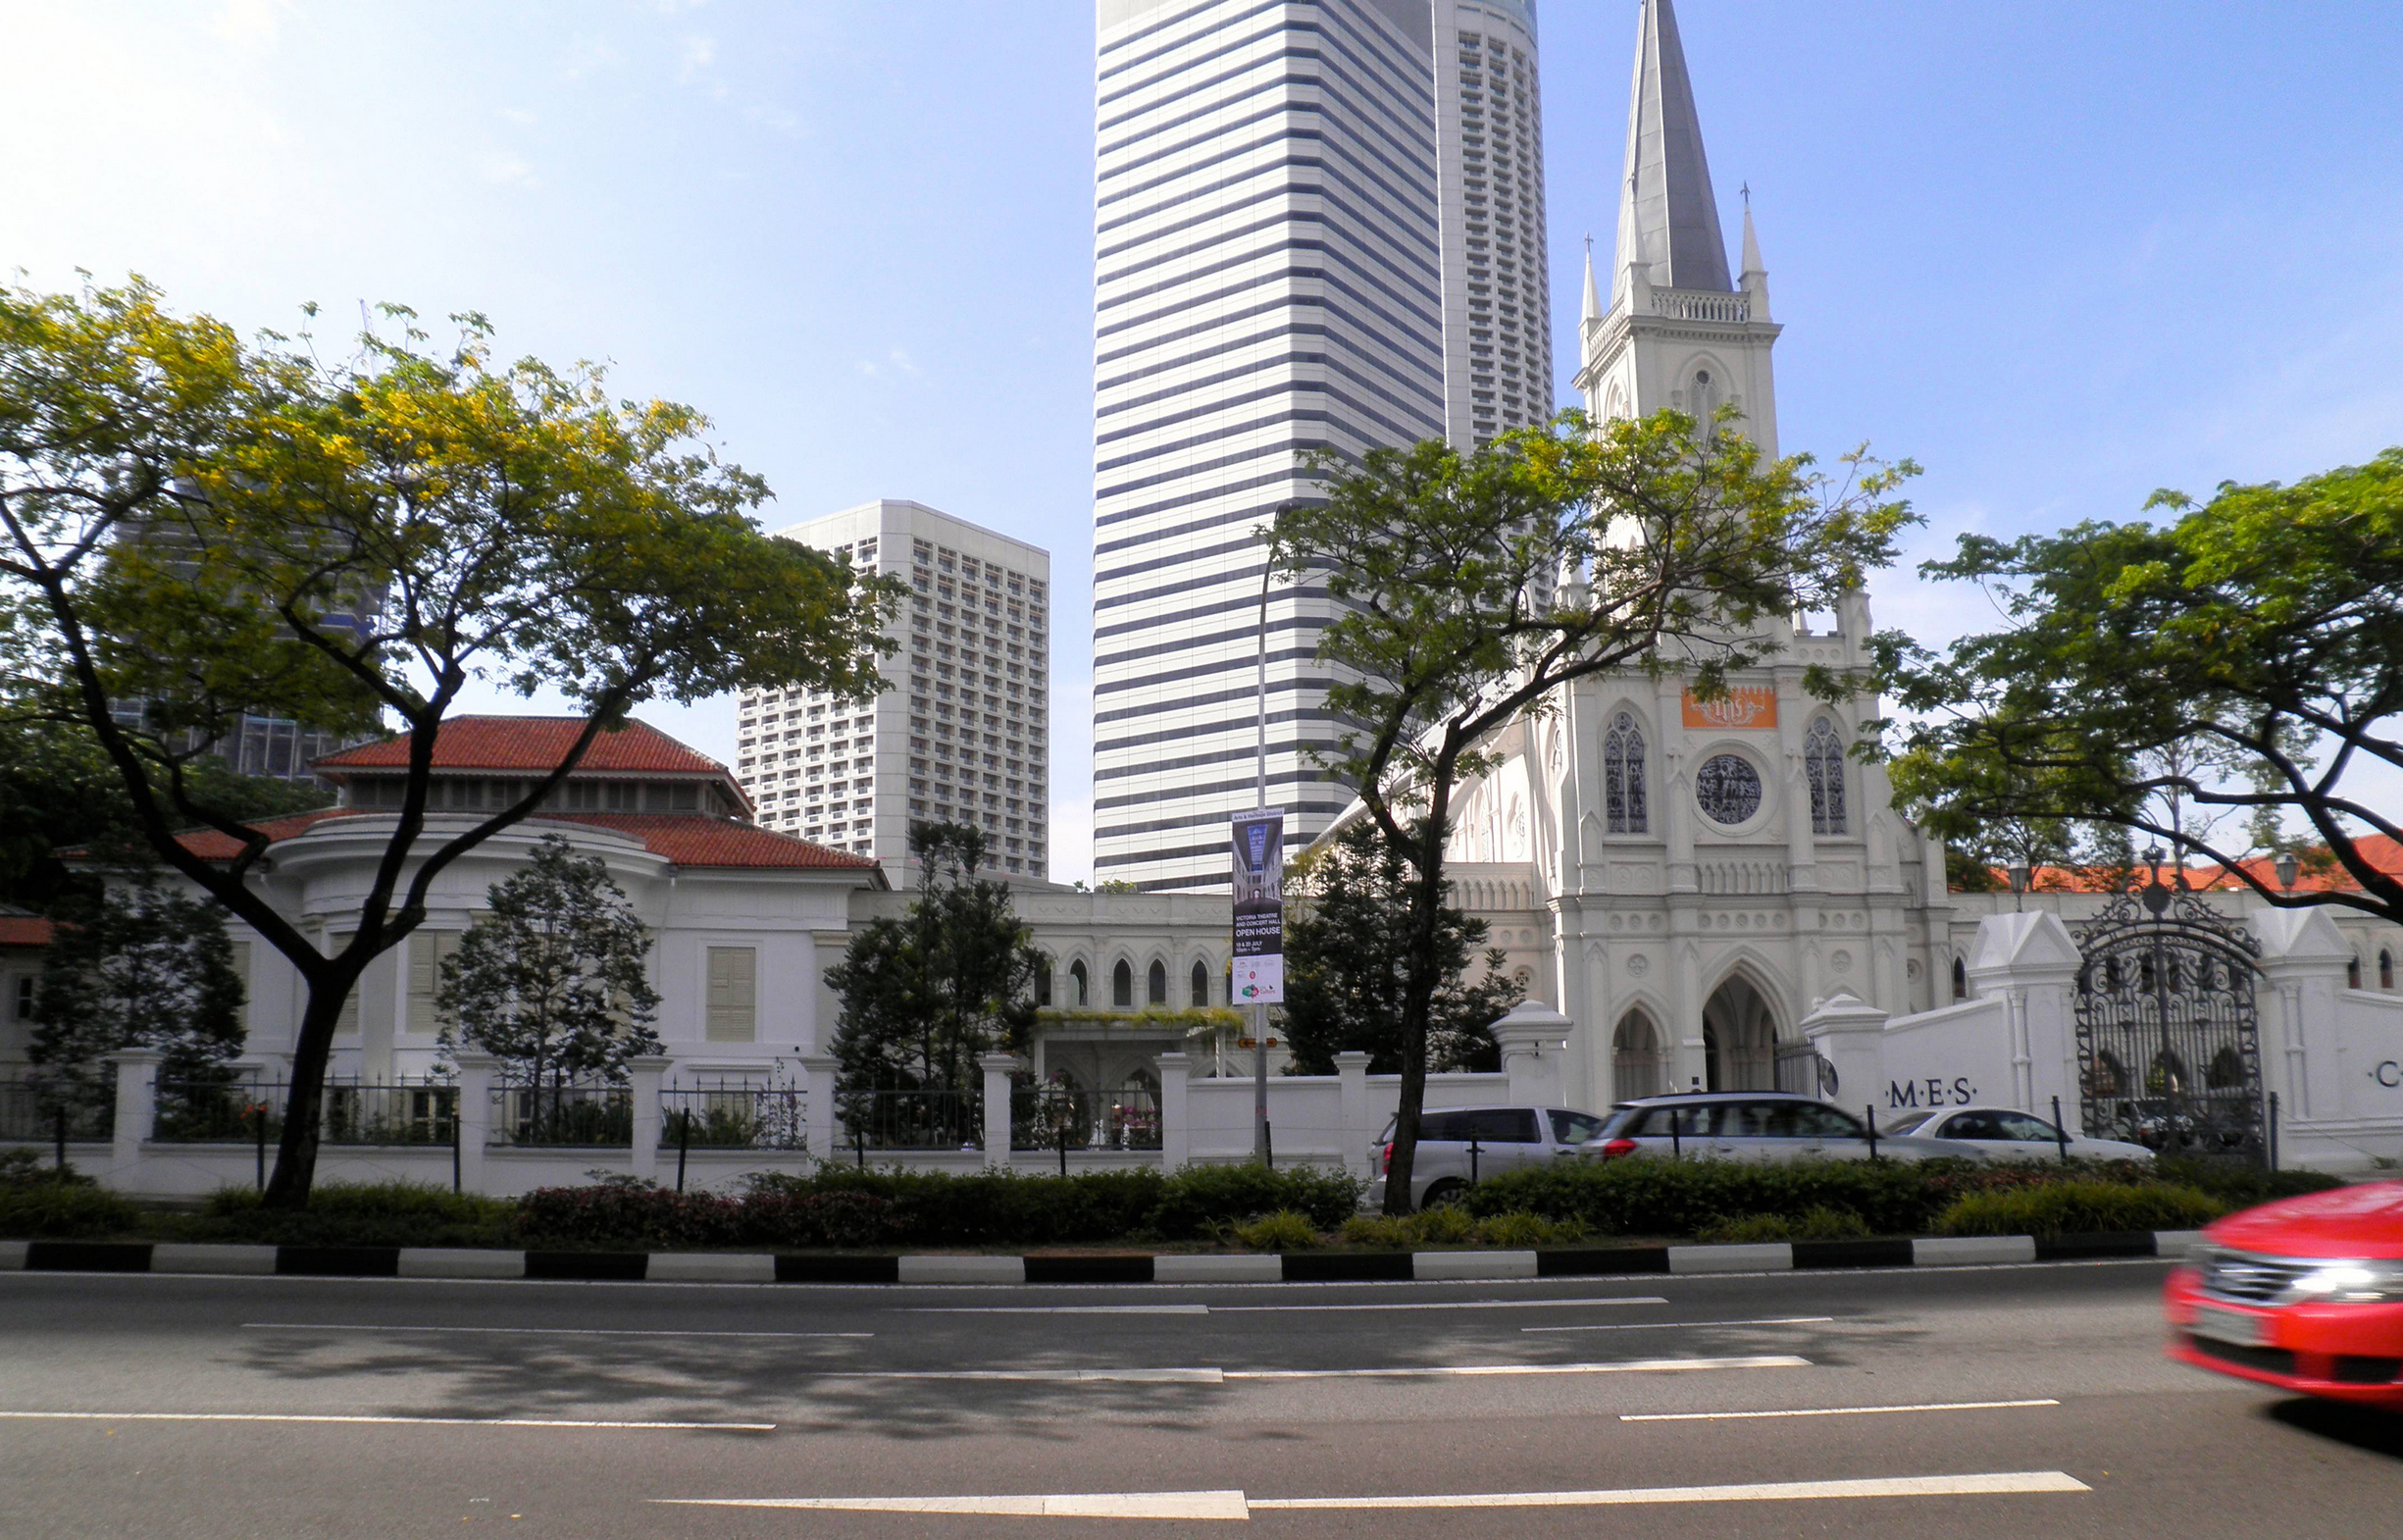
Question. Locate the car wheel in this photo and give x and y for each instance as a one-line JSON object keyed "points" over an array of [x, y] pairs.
{"points": [[1446, 1192]]}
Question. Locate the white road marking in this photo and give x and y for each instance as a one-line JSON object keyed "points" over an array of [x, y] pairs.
{"points": [[302, 1417], [1998, 1484], [1238, 1507], [1442, 1305], [1832, 1412], [1140, 1376], [1688, 1325], [1064, 1505], [1614, 1367], [1057, 1310], [540, 1331]]}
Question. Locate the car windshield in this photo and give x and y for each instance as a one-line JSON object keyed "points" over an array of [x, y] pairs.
{"points": [[1573, 1128]]}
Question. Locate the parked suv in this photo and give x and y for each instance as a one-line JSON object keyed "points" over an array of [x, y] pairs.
{"points": [[1458, 1144], [1753, 1125]]}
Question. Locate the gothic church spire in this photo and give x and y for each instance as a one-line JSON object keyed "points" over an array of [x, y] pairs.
{"points": [[1668, 216]]}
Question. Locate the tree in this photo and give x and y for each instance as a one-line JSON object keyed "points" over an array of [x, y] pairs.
{"points": [[1472, 587], [923, 995], [59, 792], [1347, 959], [552, 980], [194, 527], [2206, 683], [141, 967]]}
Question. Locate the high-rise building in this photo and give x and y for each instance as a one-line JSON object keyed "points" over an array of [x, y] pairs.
{"points": [[961, 734], [1268, 281], [1496, 275]]}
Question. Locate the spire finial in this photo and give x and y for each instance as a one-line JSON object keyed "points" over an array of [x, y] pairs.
{"points": [[1593, 296], [1668, 218]]}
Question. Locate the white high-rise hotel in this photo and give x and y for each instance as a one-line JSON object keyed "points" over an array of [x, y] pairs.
{"points": [[959, 734], [1318, 224]]}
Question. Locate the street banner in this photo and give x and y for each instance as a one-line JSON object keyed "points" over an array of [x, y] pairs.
{"points": [[1259, 907]]}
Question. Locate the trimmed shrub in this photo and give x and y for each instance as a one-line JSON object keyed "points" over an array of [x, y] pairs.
{"points": [[628, 1215], [1201, 1196], [1645, 1196], [1281, 1231], [2241, 1186], [53, 1210], [2081, 1208], [21, 1165], [836, 1218], [1520, 1231], [1820, 1223], [352, 1213]]}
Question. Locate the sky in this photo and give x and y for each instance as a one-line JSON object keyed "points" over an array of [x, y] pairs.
{"points": [[2061, 253]]}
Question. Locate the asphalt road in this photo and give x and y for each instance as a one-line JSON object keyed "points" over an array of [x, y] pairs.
{"points": [[2021, 1402]]}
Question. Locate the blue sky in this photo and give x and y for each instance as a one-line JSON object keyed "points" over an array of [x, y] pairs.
{"points": [[2061, 253]]}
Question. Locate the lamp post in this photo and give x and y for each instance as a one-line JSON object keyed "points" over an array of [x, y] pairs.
{"points": [[2017, 873], [2288, 867]]}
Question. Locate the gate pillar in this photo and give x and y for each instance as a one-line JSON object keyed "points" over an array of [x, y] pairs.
{"points": [[2028, 961], [2303, 959]]}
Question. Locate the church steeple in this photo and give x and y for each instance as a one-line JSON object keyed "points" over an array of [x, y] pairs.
{"points": [[1668, 216]]}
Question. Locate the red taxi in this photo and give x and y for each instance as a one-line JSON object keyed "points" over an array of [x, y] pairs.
{"points": [[2305, 1294]]}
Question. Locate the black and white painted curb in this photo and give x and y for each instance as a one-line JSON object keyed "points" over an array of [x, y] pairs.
{"points": [[408, 1262]]}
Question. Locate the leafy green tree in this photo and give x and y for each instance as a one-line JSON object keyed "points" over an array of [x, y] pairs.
{"points": [[143, 966], [923, 995], [208, 527], [2226, 683], [58, 792], [552, 980], [1347, 959], [1470, 586]]}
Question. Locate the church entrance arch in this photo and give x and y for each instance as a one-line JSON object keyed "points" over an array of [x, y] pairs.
{"points": [[1639, 1060], [1739, 1034]]}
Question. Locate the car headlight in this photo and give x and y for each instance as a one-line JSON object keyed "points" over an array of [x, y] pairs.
{"points": [[2351, 1283]]}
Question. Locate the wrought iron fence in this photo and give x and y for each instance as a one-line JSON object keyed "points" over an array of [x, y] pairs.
{"points": [[915, 1119], [350, 1111], [1065, 1117], [733, 1115], [572, 1116], [425, 1112], [29, 1110], [216, 1111]]}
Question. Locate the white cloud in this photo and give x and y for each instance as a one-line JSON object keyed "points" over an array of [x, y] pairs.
{"points": [[589, 56], [698, 53], [250, 24], [894, 363], [767, 115], [508, 170], [520, 116]]}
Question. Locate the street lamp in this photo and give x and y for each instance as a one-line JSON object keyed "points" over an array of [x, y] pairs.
{"points": [[2287, 866], [2017, 873]]}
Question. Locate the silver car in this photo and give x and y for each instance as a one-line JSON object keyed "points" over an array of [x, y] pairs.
{"points": [[1461, 1145], [1999, 1133], [1753, 1125]]}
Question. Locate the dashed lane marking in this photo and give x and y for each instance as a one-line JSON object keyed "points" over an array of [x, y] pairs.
{"points": [[1688, 1325], [1264, 1310], [540, 1331], [304, 1416]]}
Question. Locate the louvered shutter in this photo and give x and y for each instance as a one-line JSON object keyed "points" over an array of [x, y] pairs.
{"points": [[732, 995]]}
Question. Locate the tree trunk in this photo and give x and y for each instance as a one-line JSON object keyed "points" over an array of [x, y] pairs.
{"points": [[295, 1170], [1420, 980]]}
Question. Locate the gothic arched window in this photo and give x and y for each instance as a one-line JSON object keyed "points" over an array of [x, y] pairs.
{"points": [[2386, 970], [1083, 982], [1704, 399], [1961, 981], [1200, 986], [1122, 986], [1622, 776], [2352, 973], [1042, 983], [1823, 766], [1155, 992]]}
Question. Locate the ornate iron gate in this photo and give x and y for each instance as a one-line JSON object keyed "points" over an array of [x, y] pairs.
{"points": [[2169, 1044]]}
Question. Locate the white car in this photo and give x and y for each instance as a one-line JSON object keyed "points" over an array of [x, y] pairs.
{"points": [[1997, 1133]]}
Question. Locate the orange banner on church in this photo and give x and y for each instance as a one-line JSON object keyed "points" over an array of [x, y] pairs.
{"points": [[1743, 706]]}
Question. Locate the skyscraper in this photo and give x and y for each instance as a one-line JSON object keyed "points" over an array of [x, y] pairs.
{"points": [[959, 734], [1268, 280], [1496, 278]]}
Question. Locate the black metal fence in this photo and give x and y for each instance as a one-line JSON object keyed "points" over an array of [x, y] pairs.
{"points": [[1065, 1117], [31, 1111], [595, 1118], [915, 1119], [350, 1112], [733, 1115]]}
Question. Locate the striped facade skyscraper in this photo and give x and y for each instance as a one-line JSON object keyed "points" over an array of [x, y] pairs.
{"points": [[1276, 259]]}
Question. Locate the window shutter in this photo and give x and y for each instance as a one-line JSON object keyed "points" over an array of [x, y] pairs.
{"points": [[732, 995], [427, 950]]}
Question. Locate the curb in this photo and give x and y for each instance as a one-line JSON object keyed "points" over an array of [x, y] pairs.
{"points": [[394, 1261]]}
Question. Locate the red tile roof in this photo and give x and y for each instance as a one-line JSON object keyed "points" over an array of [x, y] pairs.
{"points": [[685, 839], [26, 930], [2380, 851], [532, 745]]}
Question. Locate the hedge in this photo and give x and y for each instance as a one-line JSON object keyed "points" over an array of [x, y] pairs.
{"points": [[349, 1213], [2081, 1207]]}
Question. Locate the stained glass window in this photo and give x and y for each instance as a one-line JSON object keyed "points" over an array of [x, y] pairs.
{"points": [[1823, 766], [1622, 776], [1728, 789]]}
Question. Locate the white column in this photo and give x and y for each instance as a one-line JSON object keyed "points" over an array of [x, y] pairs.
{"points": [[1175, 1133], [137, 1107], [2028, 961], [1532, 1038], [996, 1068], [2303, 959], [1849, 1033], [644, 1074], [474, 1116], [1351, 1103], [825, 1122]]}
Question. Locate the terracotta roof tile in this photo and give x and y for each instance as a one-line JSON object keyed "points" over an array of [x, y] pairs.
{"points": [[533, 744], [26, 930], [686, 839], [2380, 851]]}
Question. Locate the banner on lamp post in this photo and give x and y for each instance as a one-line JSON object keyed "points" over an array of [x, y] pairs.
{"points": [[1259, 907]]}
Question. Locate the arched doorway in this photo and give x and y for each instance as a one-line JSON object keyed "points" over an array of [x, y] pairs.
{"points": [[1639, 1064], [1739, 1033]]}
